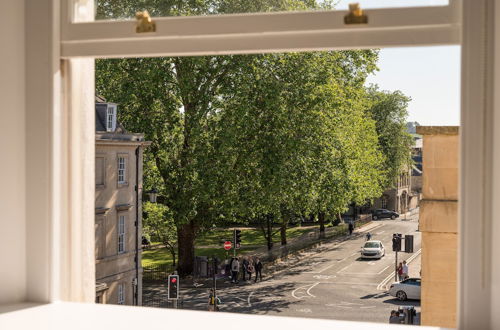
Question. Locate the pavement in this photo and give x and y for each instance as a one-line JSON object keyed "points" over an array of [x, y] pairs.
{"points": [[330, 281]]}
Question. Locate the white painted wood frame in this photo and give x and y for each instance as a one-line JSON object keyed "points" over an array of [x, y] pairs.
{"points": [[61, 188]]}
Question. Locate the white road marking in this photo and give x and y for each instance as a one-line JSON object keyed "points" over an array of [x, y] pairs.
{"points": [[380, 232], [248, 300], [383, 285], [312, 286], [365, 307], [383, 270], [324, 277], [304, 310]]}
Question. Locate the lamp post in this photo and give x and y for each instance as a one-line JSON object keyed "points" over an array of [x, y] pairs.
{"points": [[153, 194]]}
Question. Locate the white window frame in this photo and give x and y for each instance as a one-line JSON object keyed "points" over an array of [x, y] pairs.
{"points": [[121, 169], [63, 93], [121, 233], [111, 118], [121, 294]]}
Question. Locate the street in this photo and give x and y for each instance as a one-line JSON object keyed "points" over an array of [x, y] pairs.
{"points": [[331, 282]]}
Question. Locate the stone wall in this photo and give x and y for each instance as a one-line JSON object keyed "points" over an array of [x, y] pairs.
{"points": [[439, 225]]}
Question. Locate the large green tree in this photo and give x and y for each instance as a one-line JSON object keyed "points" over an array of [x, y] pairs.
{"points": [[390, 112]]}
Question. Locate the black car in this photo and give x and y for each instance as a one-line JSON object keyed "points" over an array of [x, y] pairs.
{"points": [[383, 213]]}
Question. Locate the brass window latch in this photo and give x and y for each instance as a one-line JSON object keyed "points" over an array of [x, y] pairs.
{"points": [[144, 22], [356, 15]]}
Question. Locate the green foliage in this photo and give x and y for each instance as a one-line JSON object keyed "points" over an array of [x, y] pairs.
{"points": [[389, 110], [238, 138]]}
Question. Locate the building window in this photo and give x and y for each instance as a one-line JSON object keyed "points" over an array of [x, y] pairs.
{"points": [[121, 170], [121, 294], [384, 202], [121, 234], [111, 118], [99, 171]]}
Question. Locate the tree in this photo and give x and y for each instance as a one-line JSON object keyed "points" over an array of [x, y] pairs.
{"points": [[173, 100], [159, 224], [389, 110]]}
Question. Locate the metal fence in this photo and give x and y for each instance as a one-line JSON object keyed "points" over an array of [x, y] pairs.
{"points": [[156, 273]]}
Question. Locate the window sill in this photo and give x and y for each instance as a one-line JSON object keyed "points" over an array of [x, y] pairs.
{"points": [[63, 316]]}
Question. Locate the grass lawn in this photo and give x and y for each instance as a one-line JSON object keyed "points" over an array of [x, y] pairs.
{"points": [[158, 257], [215, 237], [249, 236]]}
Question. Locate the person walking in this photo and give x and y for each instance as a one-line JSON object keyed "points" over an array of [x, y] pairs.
{"points": [[244, 269], [400, 271], [368, 236], [351, 228], [258, 269], [212, 305], [405, 270], [235, 268], [250, 269]]}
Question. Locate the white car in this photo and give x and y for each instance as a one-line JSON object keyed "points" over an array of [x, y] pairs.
{"points": [[406, 289], [373, 249]]}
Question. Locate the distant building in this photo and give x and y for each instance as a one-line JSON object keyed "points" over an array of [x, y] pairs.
{"points": [[118, 223]]}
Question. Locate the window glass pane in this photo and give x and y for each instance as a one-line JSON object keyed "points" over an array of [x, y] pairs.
{"points": [[119, 9]]}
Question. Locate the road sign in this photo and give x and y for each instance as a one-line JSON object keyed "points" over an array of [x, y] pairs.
{"points": [[227, 245]]}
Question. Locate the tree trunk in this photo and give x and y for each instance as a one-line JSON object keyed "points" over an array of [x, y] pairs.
{"points": [[321, 218], [284, 226], [171, 249], [269, 232], [283, 233], [185, 241]]}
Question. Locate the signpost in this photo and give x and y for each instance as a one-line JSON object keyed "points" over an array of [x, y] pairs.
{"points": [[228, 245]]}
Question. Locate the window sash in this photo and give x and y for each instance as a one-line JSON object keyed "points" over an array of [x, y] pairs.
{"points": [[121, 294], [259, 32], [110, 123], [121, 234], [121, 170]]}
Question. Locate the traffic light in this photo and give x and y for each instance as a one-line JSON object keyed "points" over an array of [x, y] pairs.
{"points": [[237, 238], [396, 242], [173, 286], [409, 243]]}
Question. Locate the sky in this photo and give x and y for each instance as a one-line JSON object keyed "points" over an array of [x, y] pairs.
{"points": [[429, 75]]}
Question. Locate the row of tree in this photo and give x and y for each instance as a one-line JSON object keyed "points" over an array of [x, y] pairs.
{"points": [[256, 138]]}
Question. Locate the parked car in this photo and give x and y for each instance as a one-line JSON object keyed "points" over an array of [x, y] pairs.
{"points": [[383, 213], [373, 249], [406, 289]]}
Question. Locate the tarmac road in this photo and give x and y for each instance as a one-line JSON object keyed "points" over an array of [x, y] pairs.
{"points": [[331, 282]]}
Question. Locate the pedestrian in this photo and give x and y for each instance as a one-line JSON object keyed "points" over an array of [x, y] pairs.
{"points": [[235, 268], [368, 236], [351, 228], [394, 318], [250, 269], [244, 269], [400, 271], [212, 306], [405, 270], [258, 269]]}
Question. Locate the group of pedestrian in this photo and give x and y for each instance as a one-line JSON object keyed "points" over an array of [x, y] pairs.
{"points": [[249, 265], [402, 271]]}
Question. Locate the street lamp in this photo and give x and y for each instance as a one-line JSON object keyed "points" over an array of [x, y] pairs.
{"points": [[153, 194]]}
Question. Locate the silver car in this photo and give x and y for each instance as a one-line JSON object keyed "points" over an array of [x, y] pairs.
{"points": [[406, 289], [373, 249]]}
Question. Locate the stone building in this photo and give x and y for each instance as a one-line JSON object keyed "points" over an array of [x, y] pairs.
{"points": [[398, 197], [118, 185], [439, 225]]}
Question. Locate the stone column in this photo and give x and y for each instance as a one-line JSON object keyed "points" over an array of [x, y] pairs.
{"points": [[439, 224]]}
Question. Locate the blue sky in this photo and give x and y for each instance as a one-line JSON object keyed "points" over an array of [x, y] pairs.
{"points": [[429, 75]]}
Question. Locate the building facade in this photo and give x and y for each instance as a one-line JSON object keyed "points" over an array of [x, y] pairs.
{"points": [[439, 225], [118, 186], [397, 198]]}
